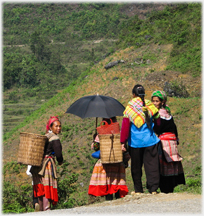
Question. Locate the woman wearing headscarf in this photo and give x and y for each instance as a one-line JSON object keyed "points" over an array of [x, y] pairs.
{"points": [[171, 170], [137, 129], [45, 177]]}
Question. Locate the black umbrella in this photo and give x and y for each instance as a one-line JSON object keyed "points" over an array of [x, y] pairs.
{"points": [[96, 106]]}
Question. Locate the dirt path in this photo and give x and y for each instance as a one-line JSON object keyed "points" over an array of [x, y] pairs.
{"points": [[177, 203], [147, 198], [52, 42]]}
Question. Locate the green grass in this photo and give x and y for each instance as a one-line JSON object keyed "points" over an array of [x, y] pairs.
{"points": [[77, 133], [179, 25]]}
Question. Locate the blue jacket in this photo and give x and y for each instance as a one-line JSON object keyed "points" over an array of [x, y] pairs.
{"points": [[142, 137]]}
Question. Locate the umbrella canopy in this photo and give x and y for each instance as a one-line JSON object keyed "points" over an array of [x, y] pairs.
{"points": [[96, 106]]}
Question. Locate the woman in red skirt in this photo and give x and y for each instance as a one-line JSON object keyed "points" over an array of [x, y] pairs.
{"points": [[108, 179], [45, 177]]}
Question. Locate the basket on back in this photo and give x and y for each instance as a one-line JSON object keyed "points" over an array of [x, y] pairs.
{"points": [[110, 147], [31, 148]]}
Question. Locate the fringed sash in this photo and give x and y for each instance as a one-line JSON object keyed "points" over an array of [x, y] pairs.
{"points": [[53, 165]]}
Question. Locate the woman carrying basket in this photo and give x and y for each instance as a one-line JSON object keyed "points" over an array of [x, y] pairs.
{"points": [[107, 179], [171, 169], [137, 129], [44, 177]]}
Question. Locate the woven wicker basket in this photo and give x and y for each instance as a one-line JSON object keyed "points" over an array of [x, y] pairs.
{"points": [[31, 148], [110, 148]]}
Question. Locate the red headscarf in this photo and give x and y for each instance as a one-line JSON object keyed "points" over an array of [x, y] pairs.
{"points": [[50, 121]]}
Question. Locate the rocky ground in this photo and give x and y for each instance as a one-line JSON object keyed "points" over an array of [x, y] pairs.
{"points": [[173, 203]]}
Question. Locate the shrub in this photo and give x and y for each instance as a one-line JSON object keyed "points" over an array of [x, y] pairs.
{"points": [[66, 186], [17, 199], [193, 185]]}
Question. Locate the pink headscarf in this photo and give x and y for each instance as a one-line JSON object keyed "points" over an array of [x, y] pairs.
{"points": [[50, 121]]}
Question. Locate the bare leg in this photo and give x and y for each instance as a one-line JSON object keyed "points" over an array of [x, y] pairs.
{"points": [[37, 207], [46, 204], [40, 201]]}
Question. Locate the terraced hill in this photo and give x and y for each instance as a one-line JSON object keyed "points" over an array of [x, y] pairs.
{"points": [[116, 82]]}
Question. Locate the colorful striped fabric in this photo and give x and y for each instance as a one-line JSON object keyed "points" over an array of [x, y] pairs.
{"points": [[47, 184], [135, 113], [108, 179], [50, 184], [171, 168], [169, 145]]}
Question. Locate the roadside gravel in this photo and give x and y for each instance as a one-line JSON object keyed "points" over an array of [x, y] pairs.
{"points": [[174, 203]]}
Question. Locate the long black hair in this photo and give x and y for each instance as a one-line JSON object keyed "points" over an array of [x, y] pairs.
{"points": [[139, 91], [114, 119]]}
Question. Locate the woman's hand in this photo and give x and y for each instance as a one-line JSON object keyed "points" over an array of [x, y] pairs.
{"points": [[92, 145], [123, 147]]}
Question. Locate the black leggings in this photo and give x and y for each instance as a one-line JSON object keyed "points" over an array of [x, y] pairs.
{"points": [[35, 200], [149, 157], [110, 196]]}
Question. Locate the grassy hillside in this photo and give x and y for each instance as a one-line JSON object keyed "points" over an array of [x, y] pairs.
{"points": [[47, 46], [77, 133], [179, 25], [76, 136], [59, 21], [20, 101], [29, 80]]}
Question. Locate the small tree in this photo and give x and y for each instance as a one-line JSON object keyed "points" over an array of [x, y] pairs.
{"points": [[39, 48]]}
